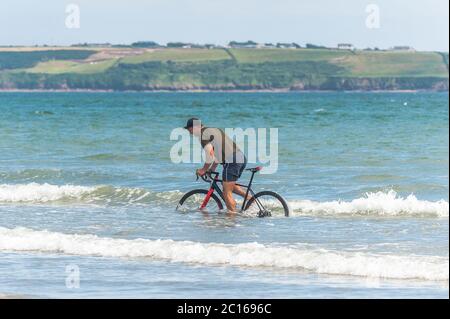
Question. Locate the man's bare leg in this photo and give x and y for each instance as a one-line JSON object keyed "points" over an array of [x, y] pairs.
{"points": [[238, 190], [228, 188]]}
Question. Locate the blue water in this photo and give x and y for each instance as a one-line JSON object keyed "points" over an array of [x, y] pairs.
{"points": [[86, 179]]}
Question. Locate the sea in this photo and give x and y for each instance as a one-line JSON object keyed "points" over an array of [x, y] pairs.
{"points": [[89, 190]]}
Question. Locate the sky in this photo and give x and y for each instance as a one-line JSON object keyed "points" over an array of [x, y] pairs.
{"points": [[422, 24]]}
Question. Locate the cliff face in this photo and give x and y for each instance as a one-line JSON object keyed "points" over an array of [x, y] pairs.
{"points": [[223, 76], [388, 84], [329, 84]]}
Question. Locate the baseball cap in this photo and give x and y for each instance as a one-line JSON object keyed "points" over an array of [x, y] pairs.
{"points": [[190, 122]]}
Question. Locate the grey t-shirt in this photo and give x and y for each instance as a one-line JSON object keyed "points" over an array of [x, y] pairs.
{"points": [[225, 150]]}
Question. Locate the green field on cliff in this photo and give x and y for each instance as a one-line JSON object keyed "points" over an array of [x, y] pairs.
{"points": [[221, 69]]}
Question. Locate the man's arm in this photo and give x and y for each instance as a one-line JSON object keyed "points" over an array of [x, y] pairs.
{"points": [[211, 161]]}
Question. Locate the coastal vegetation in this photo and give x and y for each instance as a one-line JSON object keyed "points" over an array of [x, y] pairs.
{"points": [[144, 68]]}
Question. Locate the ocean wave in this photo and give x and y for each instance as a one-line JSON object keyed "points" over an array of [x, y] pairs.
{"points": [[31, 174], [379, 204], [34, 193], [49, 174], [374, 204], [43, 113], [321, 261], [321, 111], [109, 157]]}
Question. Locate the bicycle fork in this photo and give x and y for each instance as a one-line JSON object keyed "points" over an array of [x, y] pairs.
{"points": [[208, 196], [214, 187]]}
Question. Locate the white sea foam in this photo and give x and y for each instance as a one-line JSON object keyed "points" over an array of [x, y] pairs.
{"points": [[248, 255], [34, 192], [374, 204]]}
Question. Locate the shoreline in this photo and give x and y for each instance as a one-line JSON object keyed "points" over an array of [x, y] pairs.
{"points": [[220, 91]]}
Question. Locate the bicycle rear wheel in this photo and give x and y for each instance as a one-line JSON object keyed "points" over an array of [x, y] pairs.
{"points": [[267, 203], [191, 201]]}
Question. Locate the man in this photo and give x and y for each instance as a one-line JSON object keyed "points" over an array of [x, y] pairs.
{"points": [[220, 149]]}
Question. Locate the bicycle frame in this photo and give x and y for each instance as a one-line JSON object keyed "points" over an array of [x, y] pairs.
{"points": [[215, 187]]}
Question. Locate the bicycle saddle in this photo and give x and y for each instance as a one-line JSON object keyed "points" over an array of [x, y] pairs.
{"points": [[254, 169]]}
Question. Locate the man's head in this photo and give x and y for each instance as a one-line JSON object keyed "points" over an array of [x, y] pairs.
{"points": [[194, 126]]}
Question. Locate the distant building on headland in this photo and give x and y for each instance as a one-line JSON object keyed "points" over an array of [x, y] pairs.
{"points": [[255, 45], [345, 46], [402, 48], [243, 45], [288, 46], [183, 45], [238, 45], [269, 46]]}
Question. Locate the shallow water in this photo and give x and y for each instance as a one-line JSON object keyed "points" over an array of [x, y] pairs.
{"points": [[86, 180]]}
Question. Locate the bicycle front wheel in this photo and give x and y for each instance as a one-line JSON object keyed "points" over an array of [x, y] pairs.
{"points": [[192, 201], [267, 203]]}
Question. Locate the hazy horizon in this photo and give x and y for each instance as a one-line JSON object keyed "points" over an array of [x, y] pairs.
{"points": [[422, 25]]}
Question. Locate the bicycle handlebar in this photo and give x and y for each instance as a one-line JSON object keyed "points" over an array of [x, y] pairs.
{"points": [[202, 176], [205, 177]]}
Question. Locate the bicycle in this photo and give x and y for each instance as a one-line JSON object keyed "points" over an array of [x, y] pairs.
{"points": [[264, 204]]}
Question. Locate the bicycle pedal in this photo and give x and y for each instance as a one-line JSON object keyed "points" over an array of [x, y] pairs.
{"points": [[264, 213]]}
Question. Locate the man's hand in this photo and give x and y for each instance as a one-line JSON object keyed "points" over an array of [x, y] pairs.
{"points": [[201, 171]]}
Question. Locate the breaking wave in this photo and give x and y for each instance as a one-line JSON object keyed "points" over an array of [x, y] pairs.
{"points": [[374, 204], [388, 204], [319, 261], [35, 193]]}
